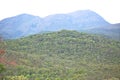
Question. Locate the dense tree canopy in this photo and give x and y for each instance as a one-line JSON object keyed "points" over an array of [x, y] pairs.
{"points": [[64, 55]]}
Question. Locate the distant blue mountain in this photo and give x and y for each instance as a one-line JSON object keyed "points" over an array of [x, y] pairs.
{"points": [[21, 25], [25, 24], [78, 20], [111, 31]]}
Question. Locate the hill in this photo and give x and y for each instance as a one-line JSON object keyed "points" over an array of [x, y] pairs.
{"points": [[111, 31], [25, 24], [63, 55], [19, 26]]}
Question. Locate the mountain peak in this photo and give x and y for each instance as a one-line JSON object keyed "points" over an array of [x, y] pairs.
{"points": [[25, 15], [83, 12], [26, 24]]}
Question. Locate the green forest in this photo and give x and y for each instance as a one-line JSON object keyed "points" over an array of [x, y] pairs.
{"points": [[62, 55]]}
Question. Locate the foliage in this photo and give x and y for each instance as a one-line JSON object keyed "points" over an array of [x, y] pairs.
{"points": [[2, 68], [21, 77], [64, 55], [2, 52]]}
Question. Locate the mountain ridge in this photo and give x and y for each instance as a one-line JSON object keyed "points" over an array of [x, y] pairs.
{"points": [[26, 24]]}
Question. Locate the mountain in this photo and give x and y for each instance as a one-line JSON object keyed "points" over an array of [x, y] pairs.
{"points": [[62, 55], [20, 25], [25, 24], [111, 31], [78, 20]]}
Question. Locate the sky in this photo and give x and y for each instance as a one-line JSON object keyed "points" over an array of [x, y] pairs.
{"points": [[108, 9]]}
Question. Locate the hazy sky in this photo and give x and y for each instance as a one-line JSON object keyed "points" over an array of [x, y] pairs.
{"points": [[109, 9]]}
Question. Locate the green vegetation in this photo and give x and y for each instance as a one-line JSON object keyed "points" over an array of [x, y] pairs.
{"points": [[63, 55], [16, 78]]}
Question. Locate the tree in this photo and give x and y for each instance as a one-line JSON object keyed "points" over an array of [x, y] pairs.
{"points": [[2, 52], [2, 68], [21, 77]]}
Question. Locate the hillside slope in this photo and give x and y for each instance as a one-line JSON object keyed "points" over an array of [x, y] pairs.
{"points": [[64, 55], [111, 31]]}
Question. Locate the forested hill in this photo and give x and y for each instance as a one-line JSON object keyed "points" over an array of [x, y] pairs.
{"points": [[64, 55]]}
